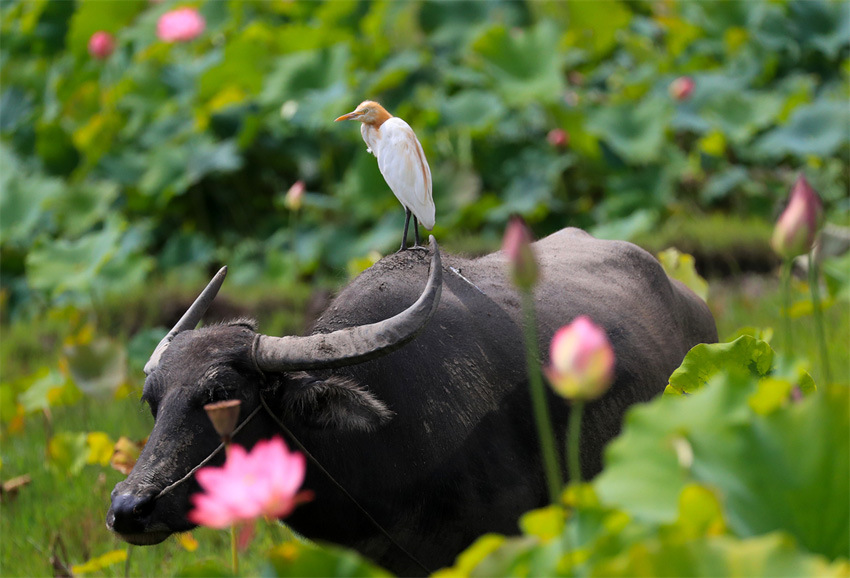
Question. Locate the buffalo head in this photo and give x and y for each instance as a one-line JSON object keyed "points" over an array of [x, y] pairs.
{"points": [[193, 367]]}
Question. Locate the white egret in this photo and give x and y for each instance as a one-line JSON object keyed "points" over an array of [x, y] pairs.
{"points": [[401, 161]]}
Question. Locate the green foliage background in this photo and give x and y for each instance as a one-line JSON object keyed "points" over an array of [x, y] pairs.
{"points": [[176, 157], [153, 167]]}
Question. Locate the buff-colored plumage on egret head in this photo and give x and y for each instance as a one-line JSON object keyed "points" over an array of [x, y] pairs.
{"points": [[401, 161]]}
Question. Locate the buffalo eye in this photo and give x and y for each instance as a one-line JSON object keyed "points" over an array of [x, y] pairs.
{"points": [[152, 404], [150, 396], [220, 383]]}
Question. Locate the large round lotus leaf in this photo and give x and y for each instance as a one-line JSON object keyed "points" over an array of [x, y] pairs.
{"points": [[771, 556], [706, 360], [819, 129], [788, 469]]}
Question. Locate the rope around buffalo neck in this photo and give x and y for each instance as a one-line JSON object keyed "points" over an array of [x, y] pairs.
{"points": [[320, 467], [170, 488], [339, 486]]}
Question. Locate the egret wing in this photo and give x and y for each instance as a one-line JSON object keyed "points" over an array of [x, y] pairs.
{"points": [[403, 164]]}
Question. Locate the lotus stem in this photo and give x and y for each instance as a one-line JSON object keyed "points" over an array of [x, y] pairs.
{"points": [[814, 287], [127, 561], [538, 400], [786, 306], [273, 525], [234, 554], [234, 550], [573, 443]]}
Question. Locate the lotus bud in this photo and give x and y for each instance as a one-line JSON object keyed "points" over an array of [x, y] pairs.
{"points": [[798, 225], [517, 247], [101, 45], [681, 88], [224, 415], [294, 196], [582, 360], [180, 25], [558, 138]]}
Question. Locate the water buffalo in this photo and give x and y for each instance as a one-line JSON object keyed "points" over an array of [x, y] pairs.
{"points": [[418, 416]]}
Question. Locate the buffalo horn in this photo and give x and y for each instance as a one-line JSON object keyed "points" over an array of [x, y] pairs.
{"points": [[190, 319], [354, 344]]}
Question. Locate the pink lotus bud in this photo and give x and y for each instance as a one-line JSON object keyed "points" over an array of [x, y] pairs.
{"points": [[180, 25], [224, 415], [517, 247], [798, 225], [582, 360], [294, 196], [558, 138], [681, 88], [101, 45]]}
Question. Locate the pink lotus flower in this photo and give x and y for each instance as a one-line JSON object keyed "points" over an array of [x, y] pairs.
{"points": [[262, 482], [295, 196], [517, 247], [681, 88], [798, 224], [558, 138], [180, 25], [582, 360], [101, 45]]}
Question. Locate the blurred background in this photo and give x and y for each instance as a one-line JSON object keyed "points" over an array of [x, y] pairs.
{"points": [[153, 160], [134, 163]]}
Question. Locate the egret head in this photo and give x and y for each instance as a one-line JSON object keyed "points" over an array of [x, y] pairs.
{"points": [[367, 112]]}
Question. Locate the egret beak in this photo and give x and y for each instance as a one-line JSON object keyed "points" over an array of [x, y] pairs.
{"points": [[350, 116]]}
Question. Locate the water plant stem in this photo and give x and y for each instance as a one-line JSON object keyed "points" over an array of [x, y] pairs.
{"points": [[788, 340], [814, 287], [127, 561], [234, 554], [573, 441], [274, 529], [538, 400], [234, 551]]}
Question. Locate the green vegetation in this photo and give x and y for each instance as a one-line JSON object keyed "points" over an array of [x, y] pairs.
{"points": [[58, 502], [125, 180], [165, 157]]}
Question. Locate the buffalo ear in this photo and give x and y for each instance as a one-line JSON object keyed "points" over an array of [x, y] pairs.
{"points": [[335, 402]]}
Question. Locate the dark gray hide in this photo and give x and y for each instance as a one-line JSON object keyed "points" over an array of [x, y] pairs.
{"points": [[436, 439]]}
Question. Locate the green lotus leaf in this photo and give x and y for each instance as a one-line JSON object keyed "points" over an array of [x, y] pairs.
{"points": [[636, 132], [818, 129], [771, 556], [787, 469], [705, 361], [525, 64]]}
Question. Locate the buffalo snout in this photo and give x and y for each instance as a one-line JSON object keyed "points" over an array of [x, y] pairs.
{"points": [[130, 513], [132, 517]]}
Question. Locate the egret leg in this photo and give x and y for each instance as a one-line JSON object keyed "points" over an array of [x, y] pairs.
{"points": [[406, 225], [417, 244]]}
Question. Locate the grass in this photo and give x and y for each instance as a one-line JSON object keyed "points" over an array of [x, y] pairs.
{"points": [[755, 301], [743, 245], [74, 507]]}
